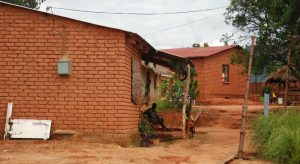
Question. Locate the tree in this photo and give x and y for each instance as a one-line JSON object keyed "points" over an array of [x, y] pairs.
{"points": [[273, 22], [226, 39], [196, 45], [205, 44], [35, 4]]}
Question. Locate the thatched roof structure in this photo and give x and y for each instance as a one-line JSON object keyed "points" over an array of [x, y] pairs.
{"points": [[281, 75]]}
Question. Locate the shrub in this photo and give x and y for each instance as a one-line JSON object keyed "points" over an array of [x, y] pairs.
{"points": [[277, 136], [172, 89], [145, 127]]}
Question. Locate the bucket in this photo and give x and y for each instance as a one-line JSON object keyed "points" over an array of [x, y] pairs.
{"points": [[280, 101]]}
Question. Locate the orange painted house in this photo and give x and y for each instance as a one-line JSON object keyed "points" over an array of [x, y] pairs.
{"points": [[217, 78]]}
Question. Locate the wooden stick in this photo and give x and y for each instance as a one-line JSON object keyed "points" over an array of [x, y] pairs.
{"points": [[287, 79], [185, 100], [245, 107]]}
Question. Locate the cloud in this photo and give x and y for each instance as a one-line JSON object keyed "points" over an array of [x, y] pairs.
{"points": [[209, 30]]}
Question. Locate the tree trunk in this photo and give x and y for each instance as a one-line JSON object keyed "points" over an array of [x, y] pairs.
{"points": [[190, 106], [185, 101], [287, 79], [245, 107]]}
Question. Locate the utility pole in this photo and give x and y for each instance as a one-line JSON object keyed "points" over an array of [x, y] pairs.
{"points": [[287, 78], [245, 107]]}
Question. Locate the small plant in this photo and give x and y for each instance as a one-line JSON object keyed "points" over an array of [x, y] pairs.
{"points": [[146, 131], [145, 127]]}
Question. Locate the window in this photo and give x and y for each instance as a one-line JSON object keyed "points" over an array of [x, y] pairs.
{"points": [[225, 73], [135, 81]]}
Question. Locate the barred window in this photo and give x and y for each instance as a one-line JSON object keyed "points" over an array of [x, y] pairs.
{"points": [[136, 89]]}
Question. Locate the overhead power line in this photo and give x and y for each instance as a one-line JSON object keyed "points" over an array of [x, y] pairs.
{"points": [[135, 13], [169, 28]]}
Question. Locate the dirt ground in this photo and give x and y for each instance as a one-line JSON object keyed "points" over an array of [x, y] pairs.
{"points": [[216, 141]]}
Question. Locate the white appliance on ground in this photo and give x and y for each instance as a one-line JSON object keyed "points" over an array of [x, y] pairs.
{"points": [[25, 128]]}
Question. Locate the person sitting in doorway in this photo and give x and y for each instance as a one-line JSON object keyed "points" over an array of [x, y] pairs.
{"points": [[153, 117]]}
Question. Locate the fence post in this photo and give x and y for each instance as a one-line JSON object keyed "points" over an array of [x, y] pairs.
{"points": [[266, 103]]}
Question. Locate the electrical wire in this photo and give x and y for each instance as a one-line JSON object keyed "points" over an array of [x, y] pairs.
{"points": [[136, 13], [181, 25]]}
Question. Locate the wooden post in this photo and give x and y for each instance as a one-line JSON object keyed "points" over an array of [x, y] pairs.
{"points": [[185, 100], [287, 79], [190, 106], [245, 107]]}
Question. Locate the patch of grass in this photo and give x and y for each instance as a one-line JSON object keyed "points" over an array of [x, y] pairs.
{"points": [[163, 105], [278, 136]]}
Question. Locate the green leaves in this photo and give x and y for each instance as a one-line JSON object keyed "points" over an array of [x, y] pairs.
{"points": [[172, 89], [272, 21], [35, 4], [145, 127]]}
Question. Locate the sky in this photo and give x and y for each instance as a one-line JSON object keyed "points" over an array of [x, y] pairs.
{"points": [[210, 29]]}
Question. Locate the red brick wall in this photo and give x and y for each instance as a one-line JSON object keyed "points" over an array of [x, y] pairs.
{"points": [[94, 99], [209, 76]]}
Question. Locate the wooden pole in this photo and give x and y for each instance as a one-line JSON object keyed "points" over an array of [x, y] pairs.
{"points": [[245, 107], [185, 100], [287, 79], [190, 104]]}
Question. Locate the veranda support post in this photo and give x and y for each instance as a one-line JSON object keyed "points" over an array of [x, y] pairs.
{"points": [[185, 100]]}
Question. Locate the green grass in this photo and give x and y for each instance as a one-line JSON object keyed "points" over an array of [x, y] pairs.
{"points": [[163, 105], [278, 136]]}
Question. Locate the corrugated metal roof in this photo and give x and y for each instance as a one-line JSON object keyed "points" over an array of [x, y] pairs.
{"points": [[197, 51]]}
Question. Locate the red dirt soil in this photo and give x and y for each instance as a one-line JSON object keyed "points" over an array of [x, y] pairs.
{"points": [[216, 141]]}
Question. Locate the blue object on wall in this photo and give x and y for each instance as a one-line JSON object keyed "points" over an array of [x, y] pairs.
{"points": [[64, 66]]}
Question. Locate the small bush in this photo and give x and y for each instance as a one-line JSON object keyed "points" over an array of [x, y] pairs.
{"points": [[145, 127], [278, 136]]}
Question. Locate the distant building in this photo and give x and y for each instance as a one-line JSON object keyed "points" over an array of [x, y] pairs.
{"points": [[217, 78]]}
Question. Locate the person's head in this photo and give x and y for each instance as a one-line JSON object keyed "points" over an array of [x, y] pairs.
{"points": [[154, 106]]}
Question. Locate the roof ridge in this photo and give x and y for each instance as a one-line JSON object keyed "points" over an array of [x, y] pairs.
{"points": [[194, 52], [200, 47]]}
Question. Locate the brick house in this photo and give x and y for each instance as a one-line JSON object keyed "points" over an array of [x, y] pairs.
{"points": [[102, 93], [217, 78]]}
